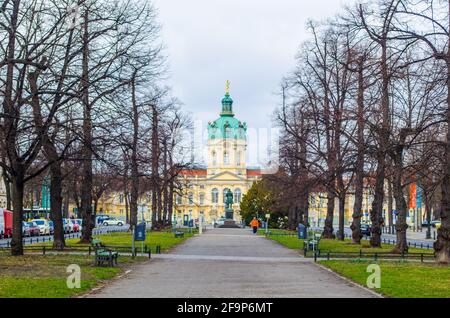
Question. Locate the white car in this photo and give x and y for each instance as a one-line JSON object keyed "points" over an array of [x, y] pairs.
{"points": [[44, 226], [112, 221]]}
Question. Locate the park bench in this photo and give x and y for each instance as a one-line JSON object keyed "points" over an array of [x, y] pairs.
{"points": [[179, 234], [312, 243], [103, 254]]}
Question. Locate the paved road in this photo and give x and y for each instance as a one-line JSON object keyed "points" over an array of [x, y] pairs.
{"points": [[230, 263]]}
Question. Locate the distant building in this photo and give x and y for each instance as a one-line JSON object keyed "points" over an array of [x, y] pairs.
{"points": [[205, 187]]}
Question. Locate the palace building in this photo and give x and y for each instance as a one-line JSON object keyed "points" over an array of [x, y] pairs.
{"points": [[205, 188]]}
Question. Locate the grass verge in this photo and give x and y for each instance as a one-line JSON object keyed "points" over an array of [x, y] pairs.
{"points": [[336, 246], [45, 276], [399, 279]]}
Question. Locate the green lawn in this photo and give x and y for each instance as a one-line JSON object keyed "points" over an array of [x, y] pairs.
{"points": [[45, 275], [37, 276], [336, 246], [166, 240], [399, 279]]}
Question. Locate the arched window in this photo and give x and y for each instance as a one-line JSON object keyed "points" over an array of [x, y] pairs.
{"points": [[226, 158], [225, 191], [237, 196], [191, 198], [238, 158], [214, 158], [215, 195]]}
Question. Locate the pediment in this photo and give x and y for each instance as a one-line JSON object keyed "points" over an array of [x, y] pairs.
{"points": [[227, 175]]}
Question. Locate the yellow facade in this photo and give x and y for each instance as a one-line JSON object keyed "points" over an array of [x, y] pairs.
{"points": [[318, 207], [204, 194]]}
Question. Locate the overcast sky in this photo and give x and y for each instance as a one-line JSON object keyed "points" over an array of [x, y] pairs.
{"points": [[251, 43]]}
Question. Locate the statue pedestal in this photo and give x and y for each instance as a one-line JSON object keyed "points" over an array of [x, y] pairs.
{"points": [[229, 214], [229, 222]]}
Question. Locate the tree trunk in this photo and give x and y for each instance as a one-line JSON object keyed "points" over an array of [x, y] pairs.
{"points": [[357, 210], [328, 228], [342, 195], [86, 187], [170, 201], [154, 209], [165, 184], [56, 205], [127, 206], [18, 190], [442, 245], [400, 203], [304, 208], [427, 202], [390, 207], [160, 218], [134, 196], [155, 168], [66, 203], [292, 219], [377, 204], [359, 169]]}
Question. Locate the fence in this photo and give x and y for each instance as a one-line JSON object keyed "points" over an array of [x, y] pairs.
{"points": [[415, 244], [49, 238], [89, 250], [369, 256]]}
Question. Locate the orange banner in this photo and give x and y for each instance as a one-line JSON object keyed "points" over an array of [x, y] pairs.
{"points": [[412, 196]]}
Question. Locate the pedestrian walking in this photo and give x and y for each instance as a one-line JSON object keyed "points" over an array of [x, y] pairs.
{"points": [[254, 224]]}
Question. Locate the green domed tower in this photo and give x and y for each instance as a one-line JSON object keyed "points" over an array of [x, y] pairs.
{"points": [[227, 141]]}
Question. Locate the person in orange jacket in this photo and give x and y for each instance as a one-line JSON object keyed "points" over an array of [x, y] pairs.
{"points": [[254, 225]]}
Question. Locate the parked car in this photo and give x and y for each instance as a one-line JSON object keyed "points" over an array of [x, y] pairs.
{"points": [[25, 229], [365, 229], [112, 221], [52, 227], [30, 229], [101, 218], [438, 225], [44, 227], [76, 226]]}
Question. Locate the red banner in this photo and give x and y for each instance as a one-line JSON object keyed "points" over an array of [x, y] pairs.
{"points": [[412, 196]]}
